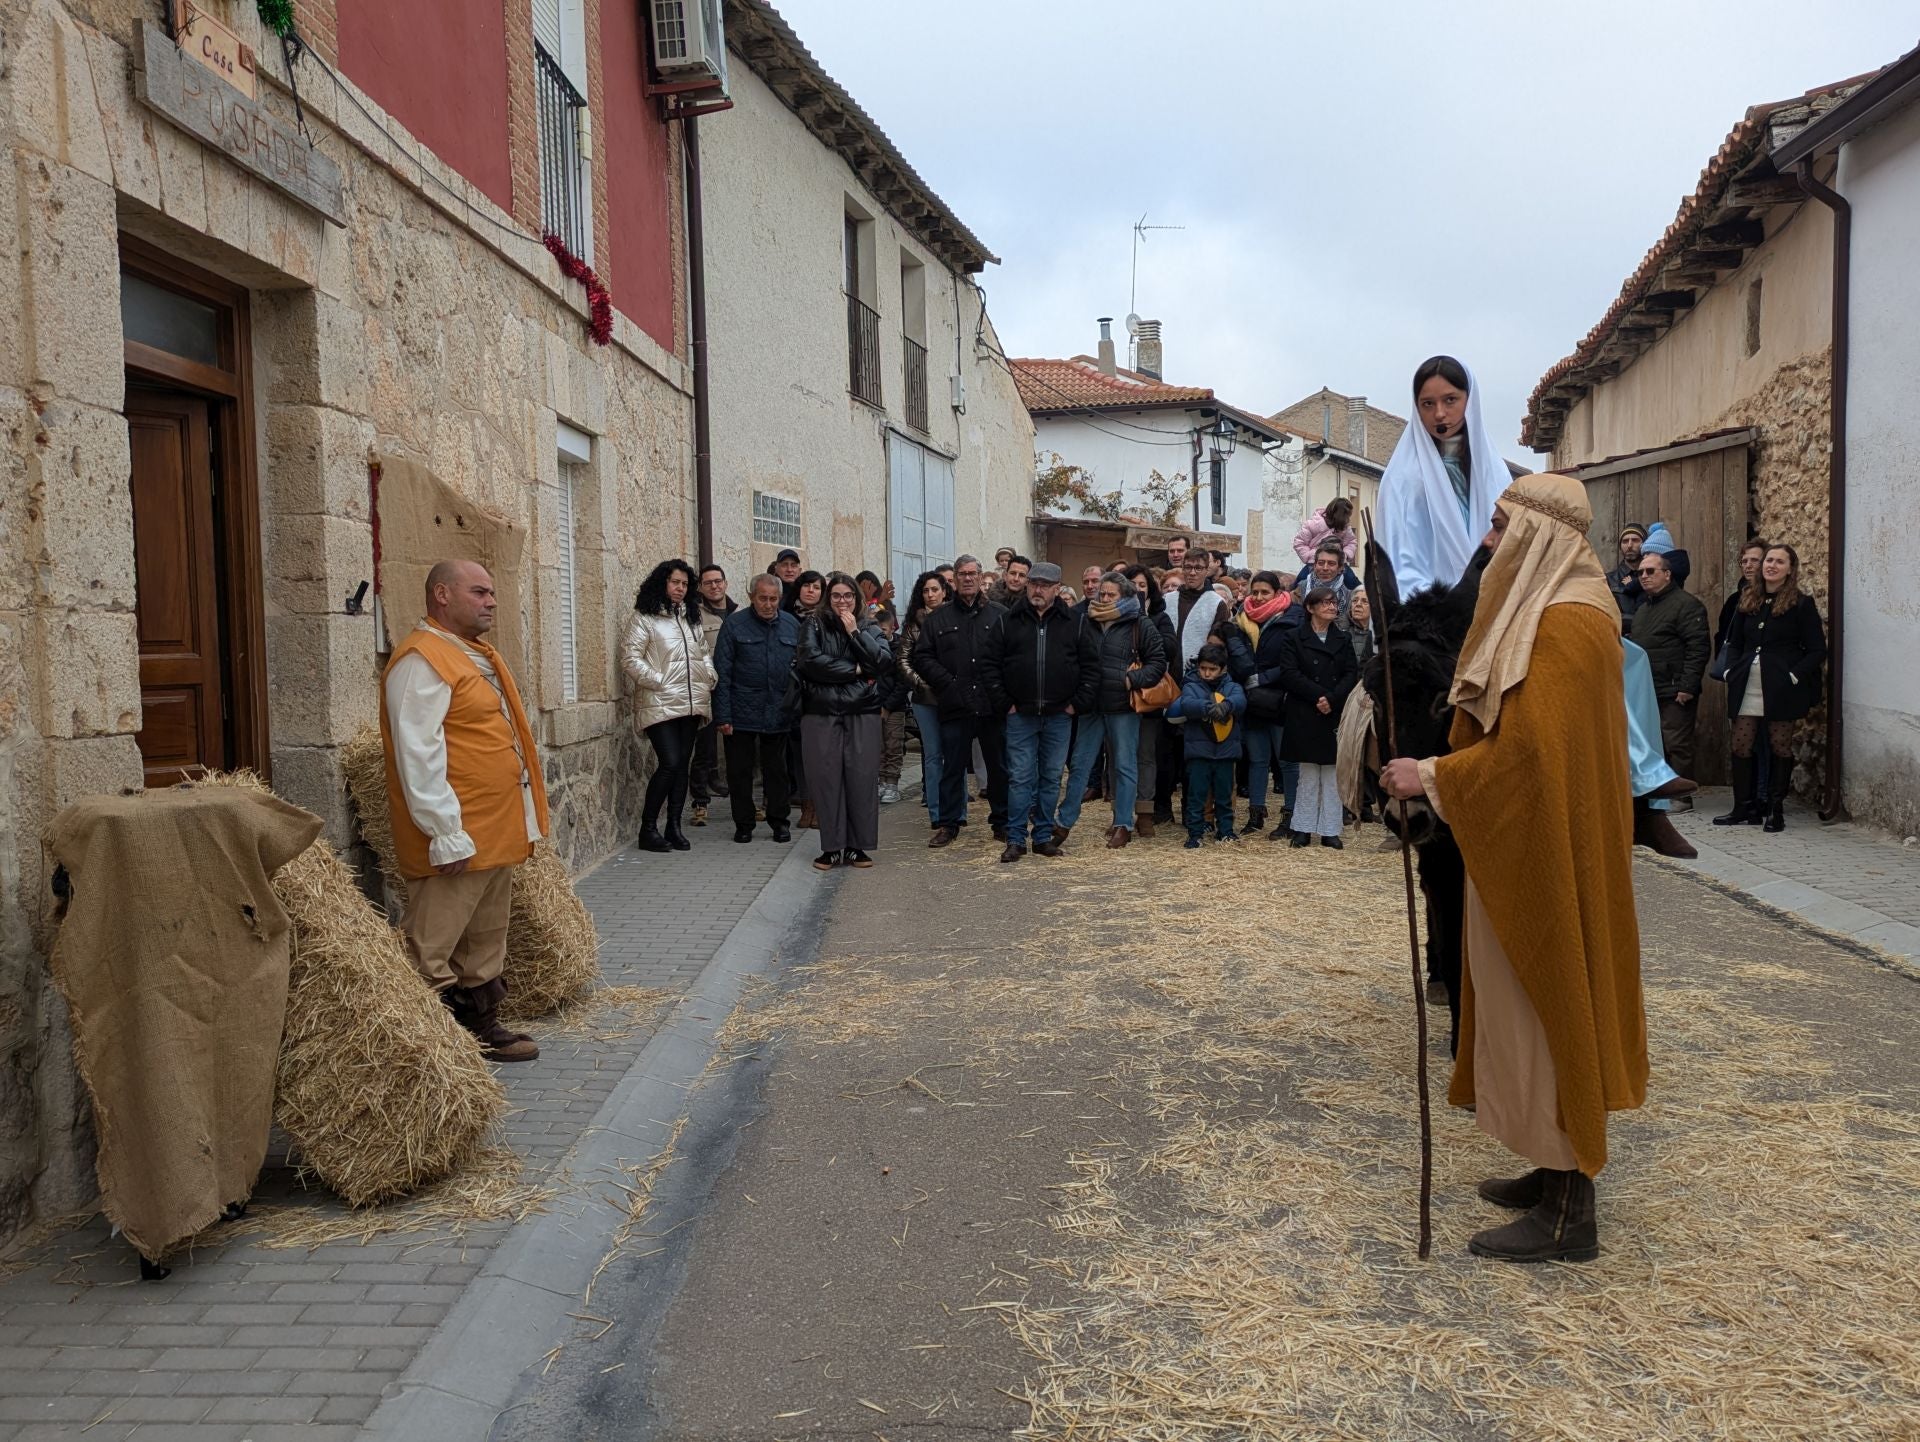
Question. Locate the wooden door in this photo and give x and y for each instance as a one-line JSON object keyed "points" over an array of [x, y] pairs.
{"points": [[177, 585]]}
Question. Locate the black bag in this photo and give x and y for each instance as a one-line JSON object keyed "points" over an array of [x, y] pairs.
{"points": [[1721, 661], [1265, 703]]}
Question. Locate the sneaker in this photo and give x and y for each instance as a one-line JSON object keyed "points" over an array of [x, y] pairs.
{"points": [[858, 859], [1193, 843], [1226, 836], [889, 794], [826, 861]]}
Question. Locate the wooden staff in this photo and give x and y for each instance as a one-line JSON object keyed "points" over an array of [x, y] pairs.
{"points": [[1381, 610]]}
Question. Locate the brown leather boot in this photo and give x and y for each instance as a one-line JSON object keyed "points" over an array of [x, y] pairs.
{"points": [[1653, 830], [478, 1010], [1142, 823], [1522, 1194], [1561, 1227], [808, 821], [1118, 837]]}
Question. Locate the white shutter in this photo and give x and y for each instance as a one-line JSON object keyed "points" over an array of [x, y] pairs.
{"points": [[907, 518], [569, 649], [546, 26], [572, 53], [939, 544]]}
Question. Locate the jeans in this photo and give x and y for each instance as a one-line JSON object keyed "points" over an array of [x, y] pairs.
{"points": [[770, 749], [957, 737], [1120, 730], [1036, 755], [672, 743], [1208, 777], [928, 718], [1263, 743]]}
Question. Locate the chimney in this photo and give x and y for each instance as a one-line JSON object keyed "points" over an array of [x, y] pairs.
{"points": [[1357, 425], [1106, 344], [1147, 349]]}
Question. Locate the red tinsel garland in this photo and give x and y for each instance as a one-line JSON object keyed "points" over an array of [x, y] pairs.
{"points": [[599, 298]]}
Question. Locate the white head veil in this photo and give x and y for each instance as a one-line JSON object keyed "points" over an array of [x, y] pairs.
{"points": [[1420, 522]]}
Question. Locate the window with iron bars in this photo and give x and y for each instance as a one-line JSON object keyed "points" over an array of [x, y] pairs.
{"points": [[563, 190]]}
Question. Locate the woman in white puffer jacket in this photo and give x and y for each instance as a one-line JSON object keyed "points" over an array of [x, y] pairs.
{"points": [[673, 679]]}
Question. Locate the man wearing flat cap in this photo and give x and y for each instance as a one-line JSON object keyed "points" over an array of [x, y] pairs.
{"points": [[1040, 672], [1623, 580]]}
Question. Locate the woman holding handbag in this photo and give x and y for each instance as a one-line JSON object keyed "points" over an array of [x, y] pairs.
{"points": [[1133, 661], [839, 665]]}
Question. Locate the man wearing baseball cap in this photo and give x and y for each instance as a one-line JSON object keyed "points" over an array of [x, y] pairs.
{"points": [[1040, 671], [1622, 580], [786, 566]]}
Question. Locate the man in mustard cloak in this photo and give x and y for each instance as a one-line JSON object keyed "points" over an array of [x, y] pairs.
{"points": [[1552, 1031]]}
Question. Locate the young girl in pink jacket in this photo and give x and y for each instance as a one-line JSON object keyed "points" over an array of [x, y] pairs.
{"points": [[1333, 519]]}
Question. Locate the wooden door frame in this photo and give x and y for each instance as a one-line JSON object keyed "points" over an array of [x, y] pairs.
{"points": [[237, 517]]}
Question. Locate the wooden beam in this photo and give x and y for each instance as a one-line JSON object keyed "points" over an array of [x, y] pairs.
{"points": [[1674, 300], [1680, 452], [1775, 190], [1705, 259]]}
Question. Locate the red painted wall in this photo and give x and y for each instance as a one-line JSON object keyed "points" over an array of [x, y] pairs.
{"points": [[639, 218], [439, 67]]}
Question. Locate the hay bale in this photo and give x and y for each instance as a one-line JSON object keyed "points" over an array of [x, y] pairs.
{"points": [[553, 950], [378, 1086]]}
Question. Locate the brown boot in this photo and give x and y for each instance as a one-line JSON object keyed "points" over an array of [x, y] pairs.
{"points": [[808, 821], [478, 1010], [1561, 1227], [1142, 823], [1654, 831], [1522, 1194], [1118, 837]]}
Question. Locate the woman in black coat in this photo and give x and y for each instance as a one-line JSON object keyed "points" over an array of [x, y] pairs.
{"points": [[841, 663], [1776, 647], [1317, 670], [1152, 751]]}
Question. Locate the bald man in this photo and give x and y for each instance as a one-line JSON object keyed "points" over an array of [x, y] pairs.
{"points": [[466, 796]]}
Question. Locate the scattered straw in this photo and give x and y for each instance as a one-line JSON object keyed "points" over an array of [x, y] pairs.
{"points": [[488, 1188], [552, 947], [380, 1089], [606, 1015], [1243, 1266]]}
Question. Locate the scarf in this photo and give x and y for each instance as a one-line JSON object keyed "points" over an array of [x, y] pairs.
{"points": [[1421, 526], [1543, 560], [1260, 614], [1127, 608]]}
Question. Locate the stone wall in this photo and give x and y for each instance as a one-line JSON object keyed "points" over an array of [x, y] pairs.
{"points": [[427, 327], [1787, 477]]}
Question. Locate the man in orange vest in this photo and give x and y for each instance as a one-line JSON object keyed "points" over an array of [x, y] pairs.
{"points": [[466, 796]]}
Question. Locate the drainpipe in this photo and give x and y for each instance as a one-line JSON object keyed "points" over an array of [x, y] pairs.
{"points": [[1830, 809], [697, 337], [1196, 484]]}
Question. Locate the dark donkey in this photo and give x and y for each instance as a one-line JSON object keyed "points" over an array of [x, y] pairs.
{"points": [[1426, 631]]}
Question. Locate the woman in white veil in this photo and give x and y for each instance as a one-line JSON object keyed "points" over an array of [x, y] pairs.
{"points": [[1442, 480]]}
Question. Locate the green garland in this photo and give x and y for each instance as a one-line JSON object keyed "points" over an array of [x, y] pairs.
{"points": [[277, 16]]}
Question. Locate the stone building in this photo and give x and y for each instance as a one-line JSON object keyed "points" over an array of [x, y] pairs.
{"points": [[259, 349], [1343, 451], [1702, 396], [862, 411]]}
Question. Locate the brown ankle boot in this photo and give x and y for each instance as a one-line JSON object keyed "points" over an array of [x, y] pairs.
{"points": [[478, 1010], [1522, 1194], [1142, 823], [1561, 1227], [1654, 831]]}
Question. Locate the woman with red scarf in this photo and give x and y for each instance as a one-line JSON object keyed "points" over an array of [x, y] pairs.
{"points": [[1265, 618]]}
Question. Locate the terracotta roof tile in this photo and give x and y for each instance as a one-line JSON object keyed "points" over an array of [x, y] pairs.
{"points": [[1079, 384], [1743, 145]]}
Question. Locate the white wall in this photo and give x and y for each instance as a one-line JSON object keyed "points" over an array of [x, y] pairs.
{"points": [[1121, 450], [1880, 176], [783, 419]]}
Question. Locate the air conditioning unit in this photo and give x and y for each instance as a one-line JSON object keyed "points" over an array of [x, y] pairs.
{"points": [[690, 42]]}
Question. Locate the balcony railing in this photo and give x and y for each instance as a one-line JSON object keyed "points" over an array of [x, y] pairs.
{"points": [[563, 191], [916, 368], [863, 350]]}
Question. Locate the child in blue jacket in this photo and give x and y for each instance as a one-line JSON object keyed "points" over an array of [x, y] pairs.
{"points": [[1211, 703]]}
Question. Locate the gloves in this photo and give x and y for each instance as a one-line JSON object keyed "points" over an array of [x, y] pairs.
{"points": [[1219, 711]]}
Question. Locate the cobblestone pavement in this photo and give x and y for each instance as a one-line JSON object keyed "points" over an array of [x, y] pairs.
{"points": [[1847, 879], [246, 1341]]}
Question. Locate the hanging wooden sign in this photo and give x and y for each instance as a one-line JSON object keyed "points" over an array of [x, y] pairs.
{"points": [[195, 98], [213, 45]]}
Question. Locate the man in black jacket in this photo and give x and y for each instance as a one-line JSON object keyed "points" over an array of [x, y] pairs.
{"points": [[950, 656], [1041, 674], [1672, 628]]}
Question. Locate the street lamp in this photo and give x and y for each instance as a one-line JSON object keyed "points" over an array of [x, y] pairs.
{"points": [[1223, 435]]}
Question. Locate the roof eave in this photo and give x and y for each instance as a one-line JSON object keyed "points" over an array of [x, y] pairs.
{"points": [[1895, 88], [761, 36]]}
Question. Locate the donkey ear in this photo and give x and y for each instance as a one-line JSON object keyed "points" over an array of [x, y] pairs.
{"points": [[1382, 589]]}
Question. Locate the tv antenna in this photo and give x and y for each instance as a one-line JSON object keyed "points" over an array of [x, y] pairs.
{"points": [[1140, 229]]}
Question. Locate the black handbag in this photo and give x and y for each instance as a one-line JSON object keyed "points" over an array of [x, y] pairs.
{"points": [[1265, 703], [1722, 660]]}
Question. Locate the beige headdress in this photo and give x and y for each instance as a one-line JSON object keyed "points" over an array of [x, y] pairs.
{"points": [[1543, 560]]}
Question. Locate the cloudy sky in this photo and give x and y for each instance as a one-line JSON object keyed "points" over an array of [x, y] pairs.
{"points": [[1361, 185]]}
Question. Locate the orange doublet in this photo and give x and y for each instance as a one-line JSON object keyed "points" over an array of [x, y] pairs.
{"points": [[482, 765]]}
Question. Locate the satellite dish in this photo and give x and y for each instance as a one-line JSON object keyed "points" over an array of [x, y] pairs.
{"points": [[1133, 325]]}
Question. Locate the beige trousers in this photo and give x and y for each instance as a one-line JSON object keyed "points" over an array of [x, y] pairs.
{"points": [[1515, 1087], [456, 926]]}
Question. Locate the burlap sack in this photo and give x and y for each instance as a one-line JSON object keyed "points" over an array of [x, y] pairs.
{"points": [[173, 959]]}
